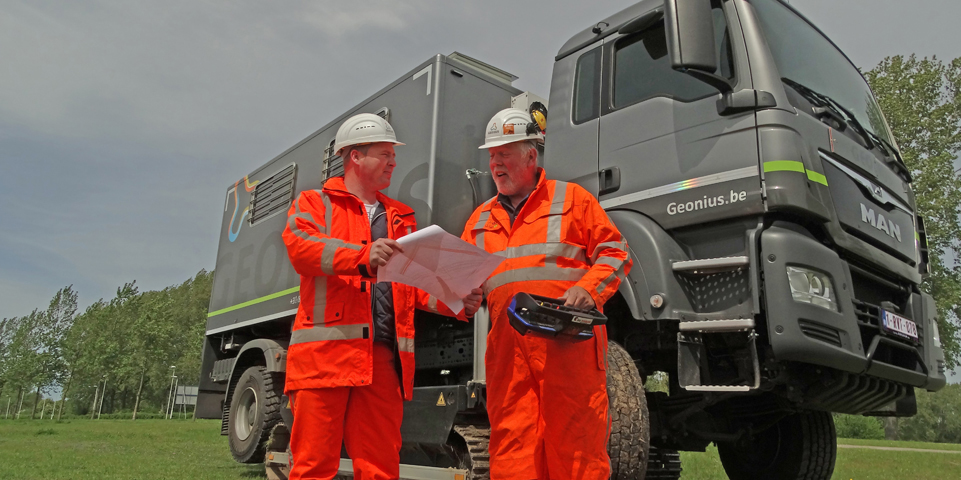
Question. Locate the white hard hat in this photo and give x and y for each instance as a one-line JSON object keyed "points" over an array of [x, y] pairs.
{"points": [[363, 129], [509, 125]]}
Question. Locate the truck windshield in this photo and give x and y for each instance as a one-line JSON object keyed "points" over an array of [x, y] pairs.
{"points": [[805, 57]]}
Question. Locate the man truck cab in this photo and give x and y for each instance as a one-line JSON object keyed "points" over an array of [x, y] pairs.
{"points": [[777, 251]]}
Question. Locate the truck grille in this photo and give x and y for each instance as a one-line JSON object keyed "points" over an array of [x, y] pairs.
{"points": [[820, 332], [869, 319]]}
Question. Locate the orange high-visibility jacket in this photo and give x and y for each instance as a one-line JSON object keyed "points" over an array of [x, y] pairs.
{"points": [[328, 241], [561, 237]]}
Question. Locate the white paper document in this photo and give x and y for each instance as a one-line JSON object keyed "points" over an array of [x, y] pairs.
{"points": [[440, 264]]}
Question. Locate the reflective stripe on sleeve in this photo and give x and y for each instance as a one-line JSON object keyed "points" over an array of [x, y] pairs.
{"points": [[330, 250], [549, 273], [620, 245], [405, 344], [292, 223], [551, 249], [432, 304], [618, 273], [320, 334]]}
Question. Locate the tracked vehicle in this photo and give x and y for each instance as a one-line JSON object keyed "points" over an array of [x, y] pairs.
{"points": [[777, 250]]}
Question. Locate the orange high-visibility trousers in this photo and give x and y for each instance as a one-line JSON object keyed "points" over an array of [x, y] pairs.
{"points": [[366, 420], [547, 402]]}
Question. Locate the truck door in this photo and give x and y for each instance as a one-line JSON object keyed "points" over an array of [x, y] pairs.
{"points": [[663, 149]]}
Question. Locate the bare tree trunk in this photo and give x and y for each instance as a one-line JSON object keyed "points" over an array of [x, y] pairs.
{"points": [[36, 400], [19, 402], [63, 396], [93, 407], [136, 403]]}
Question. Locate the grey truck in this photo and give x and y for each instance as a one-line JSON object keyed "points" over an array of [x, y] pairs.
{"points": [[777, 250]]}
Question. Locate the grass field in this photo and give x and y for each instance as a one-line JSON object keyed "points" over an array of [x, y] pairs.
{"points": [[159, 449]]}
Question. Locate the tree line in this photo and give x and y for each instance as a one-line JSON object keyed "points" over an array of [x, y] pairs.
{"points": [[117, 352]]}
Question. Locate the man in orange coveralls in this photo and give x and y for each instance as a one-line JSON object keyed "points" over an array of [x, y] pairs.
{"points": [[546, 398], [350, 363]]}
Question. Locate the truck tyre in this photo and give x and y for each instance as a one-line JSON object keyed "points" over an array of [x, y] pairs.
{"points": [[630, 431], [800, 446], [254, 411]]}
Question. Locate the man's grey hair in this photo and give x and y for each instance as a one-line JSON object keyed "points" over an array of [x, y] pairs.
{"points": [[524, 146]]}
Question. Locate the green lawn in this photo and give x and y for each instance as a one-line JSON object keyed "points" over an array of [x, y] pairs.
{"points": [[118, 449], [173, 449], [854, 463]]}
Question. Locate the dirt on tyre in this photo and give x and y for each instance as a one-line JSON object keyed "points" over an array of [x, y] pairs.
{"points": [[629, 441], [254, 411], [801, 446]]}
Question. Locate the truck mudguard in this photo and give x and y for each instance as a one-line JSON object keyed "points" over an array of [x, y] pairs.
{"points": [[274, 353], [653, 252]]}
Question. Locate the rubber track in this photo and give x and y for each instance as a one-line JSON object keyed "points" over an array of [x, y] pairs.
{"points": [[820, 453], [478, 439], [629, 436], [663, 464]]}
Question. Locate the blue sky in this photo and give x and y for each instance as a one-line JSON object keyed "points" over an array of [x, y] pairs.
{"points": [[121, 123]]}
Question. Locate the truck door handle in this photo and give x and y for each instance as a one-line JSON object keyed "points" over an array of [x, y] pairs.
{"points": [[610, 180]]}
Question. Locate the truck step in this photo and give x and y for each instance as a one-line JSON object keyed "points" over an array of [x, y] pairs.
{"points": [[711, 265], [717, 388], [715, 326]]}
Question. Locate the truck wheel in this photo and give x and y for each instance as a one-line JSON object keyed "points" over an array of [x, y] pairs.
{"points": [[254, 410], [630, 431], [800, 446]]}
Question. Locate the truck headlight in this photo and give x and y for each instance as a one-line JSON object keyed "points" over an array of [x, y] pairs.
{"points": [[809, 286], [935, 334]]}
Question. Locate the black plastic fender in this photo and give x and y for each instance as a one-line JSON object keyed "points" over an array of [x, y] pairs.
{"points": [[653, 252], [273, 353]]}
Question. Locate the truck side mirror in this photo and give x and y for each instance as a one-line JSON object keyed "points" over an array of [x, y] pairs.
{"points": [[690, 40]]}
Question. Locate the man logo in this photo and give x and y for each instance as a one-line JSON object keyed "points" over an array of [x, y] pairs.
{"points": [[880, 223], [493, 128], [508, 129]]}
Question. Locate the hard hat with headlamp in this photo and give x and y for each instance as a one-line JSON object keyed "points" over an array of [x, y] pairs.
{"points": [[511, 125]]}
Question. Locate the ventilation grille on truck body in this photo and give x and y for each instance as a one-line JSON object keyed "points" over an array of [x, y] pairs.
{"points": [[273, 195]]}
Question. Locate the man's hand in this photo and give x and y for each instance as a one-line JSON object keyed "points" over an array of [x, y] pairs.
{"points": [[578, 298], [473, 301], [381, 250]]}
